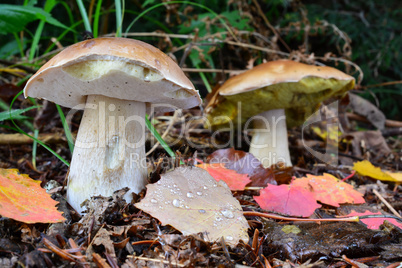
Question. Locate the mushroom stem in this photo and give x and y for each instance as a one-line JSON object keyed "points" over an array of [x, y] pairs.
{"points": [[109, 152], [269, 143]]}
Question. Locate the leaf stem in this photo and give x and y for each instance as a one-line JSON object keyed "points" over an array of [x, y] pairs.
{"points": [[283, 218]]}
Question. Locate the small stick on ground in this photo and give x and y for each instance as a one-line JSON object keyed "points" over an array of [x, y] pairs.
{"points": [[73, 245], [171, 264], [100, 262], [277, 217], [386, 203]]}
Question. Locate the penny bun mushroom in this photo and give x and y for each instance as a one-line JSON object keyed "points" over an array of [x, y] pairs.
{"points": [[115, 80], [275, 95]]}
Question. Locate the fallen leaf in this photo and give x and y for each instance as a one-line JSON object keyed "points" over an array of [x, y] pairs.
{"points": [[291, 200], [396, 175], [365, 108], [190, 200], [234, 180], [244, 163], [22, 199], [365, 168], [331, 133], [329, 190], [372, 141], [373, 223]]}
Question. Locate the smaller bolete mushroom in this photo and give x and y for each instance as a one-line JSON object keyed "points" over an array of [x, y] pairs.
{"points": [[274, 94], [114, 80]]}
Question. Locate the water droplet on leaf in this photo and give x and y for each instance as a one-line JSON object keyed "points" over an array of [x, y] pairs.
{"points": [[176, 203], [227, 213]]}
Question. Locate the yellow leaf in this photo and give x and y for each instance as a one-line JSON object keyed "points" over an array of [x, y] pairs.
{"points": [[365, 168], [332, 133], [396, 175]]}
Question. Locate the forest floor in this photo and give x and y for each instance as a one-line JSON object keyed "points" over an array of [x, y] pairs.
{"points": [[117, 234]]}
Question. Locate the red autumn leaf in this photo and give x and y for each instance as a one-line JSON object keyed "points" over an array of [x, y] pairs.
{"points": [[330, 190], [244, 163], [289, 200], [374, 223], [22, 199], [234, 180]]}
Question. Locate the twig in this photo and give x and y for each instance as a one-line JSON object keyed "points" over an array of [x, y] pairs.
{"points": [[383, 84], [58, 251], [353, 262], [205, 70], [23, 67], [100, 262], [172, 121], [386, 203], [156, 34], [239, 44], [245, 45], [277, 217], [269, 25], [394, 265], [111, 260], [73, 245], [43, 56], [266, 262], [17, 138], [350, 176], [361, 74], [146, 242], [388, 123], [157, 260]]}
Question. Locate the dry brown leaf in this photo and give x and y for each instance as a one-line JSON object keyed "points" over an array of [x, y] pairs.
{"points": [[371, 141], [190, 200], [365, 108]]}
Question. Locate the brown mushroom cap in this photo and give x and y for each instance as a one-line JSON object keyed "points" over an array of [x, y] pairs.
{"points": [[296, 87], [114, 67]]}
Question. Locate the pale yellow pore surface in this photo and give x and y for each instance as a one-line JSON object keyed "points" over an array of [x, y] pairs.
{"points": [[94, 69]]}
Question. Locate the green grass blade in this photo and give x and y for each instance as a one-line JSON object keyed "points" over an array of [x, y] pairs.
{"points": [[96, 18], [48, 8], [18, 129], [15, 114], [66, 129], [35, 147], [159, 138], [84, 15], [119, 17]]}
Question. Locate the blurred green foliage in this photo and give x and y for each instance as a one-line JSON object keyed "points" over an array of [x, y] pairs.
{"points": [[366, 32], [375, 30]]}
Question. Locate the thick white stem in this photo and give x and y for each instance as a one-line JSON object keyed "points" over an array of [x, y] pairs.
{"points": [[270, 139], [109, 151]]}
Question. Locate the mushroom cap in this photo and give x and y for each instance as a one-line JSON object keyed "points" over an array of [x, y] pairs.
{"points": [[114, 67], [296, 87]]}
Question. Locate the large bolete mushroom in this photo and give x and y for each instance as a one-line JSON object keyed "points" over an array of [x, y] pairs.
{"points": [[275, 95], [116, 80]]}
